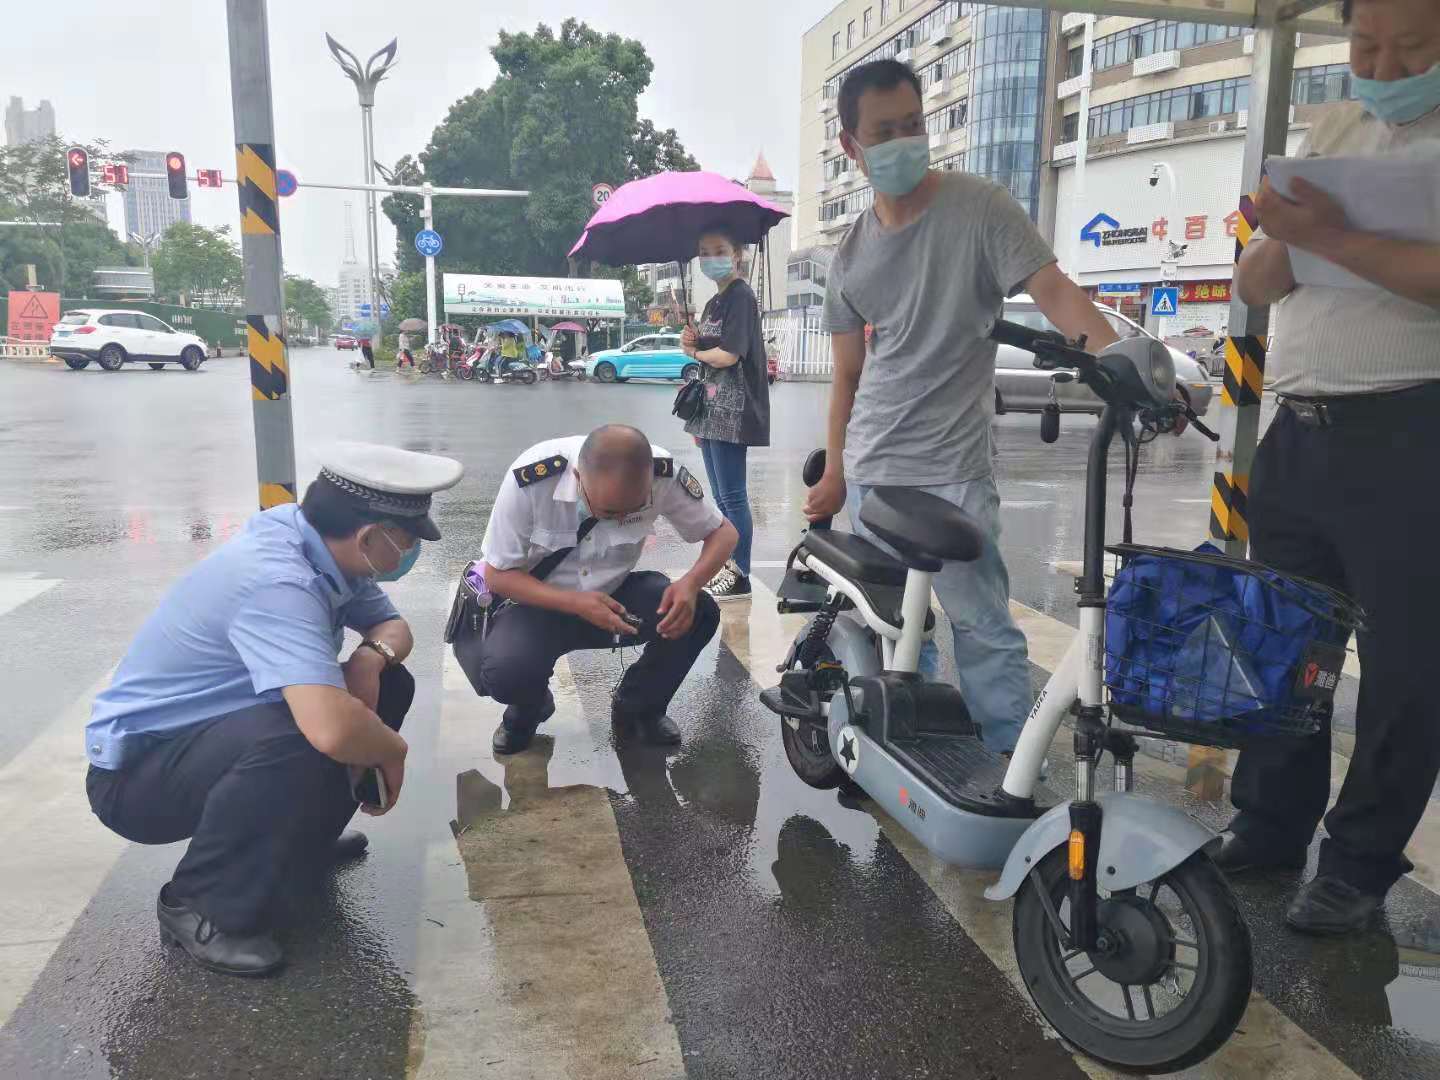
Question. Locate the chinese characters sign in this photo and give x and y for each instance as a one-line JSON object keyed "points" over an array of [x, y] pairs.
{"points": [[1204, 292], [32, 314], [577, 298]]}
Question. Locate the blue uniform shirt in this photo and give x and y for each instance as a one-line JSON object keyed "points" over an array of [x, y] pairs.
{"points": [[267, 610]]}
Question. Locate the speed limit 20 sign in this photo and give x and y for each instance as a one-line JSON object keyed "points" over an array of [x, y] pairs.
{"points": [[600, 193]]}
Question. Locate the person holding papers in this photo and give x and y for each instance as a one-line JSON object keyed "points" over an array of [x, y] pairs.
{"points": [[1343, 488]]}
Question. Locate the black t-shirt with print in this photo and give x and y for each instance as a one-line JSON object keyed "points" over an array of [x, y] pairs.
{"points": [[737, 398]]}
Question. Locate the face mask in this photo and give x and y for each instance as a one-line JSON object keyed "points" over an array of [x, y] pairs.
{"points": [[897, 167], [408, 556], [1400, 100], [717, 267]]}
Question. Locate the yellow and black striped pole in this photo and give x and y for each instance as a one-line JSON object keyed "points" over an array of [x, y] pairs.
{"points": [[260, 247], [1266, 133]]}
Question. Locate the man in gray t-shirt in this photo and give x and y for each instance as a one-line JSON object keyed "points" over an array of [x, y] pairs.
{"points": [[927, 269]]}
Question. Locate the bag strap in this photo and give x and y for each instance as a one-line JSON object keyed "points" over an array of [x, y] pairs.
{"points": [[547, 565]]}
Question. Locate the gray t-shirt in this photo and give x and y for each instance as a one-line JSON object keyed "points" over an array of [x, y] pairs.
{"points": [[931, 290]]}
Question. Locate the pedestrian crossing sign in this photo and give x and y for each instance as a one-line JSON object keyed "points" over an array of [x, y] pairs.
{"points": [[1164, 301]]}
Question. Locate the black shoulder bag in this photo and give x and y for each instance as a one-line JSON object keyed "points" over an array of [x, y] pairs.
{"points": [[466, 611]]}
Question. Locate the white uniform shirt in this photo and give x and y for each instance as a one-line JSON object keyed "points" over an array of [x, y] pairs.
{"points": [[531, 521]]}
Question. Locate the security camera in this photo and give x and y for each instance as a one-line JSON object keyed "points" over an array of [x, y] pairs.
{"points": [[1154, 175]]}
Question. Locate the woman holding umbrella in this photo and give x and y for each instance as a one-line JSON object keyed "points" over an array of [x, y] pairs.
{"points": [[736, 415]]}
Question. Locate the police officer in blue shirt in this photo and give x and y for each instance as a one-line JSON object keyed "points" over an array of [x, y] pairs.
{"points": [[232, 722]]}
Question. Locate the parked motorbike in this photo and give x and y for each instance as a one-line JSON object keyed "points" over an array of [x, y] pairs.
{"points": [[509, 371]]}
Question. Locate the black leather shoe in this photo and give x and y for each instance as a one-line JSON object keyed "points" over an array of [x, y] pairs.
{"points": [[1237, 854], [518, 728], [657, 729], [350, 844], [229, 954], [1331, 905]]}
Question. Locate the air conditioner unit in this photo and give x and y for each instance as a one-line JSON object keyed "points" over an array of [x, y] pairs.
{"points": [[940, 36], [1150, 133], [1156, 63], [1065, 151], [1218, 126], [905, 55], [1071, 87]]}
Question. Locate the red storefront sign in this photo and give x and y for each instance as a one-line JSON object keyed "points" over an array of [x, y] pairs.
{"points": [[1204, 292]]}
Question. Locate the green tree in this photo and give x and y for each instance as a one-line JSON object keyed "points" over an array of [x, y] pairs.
{"points": [[407, 297], [560, 117], [193, 259], [34, 187], [306, 302]]}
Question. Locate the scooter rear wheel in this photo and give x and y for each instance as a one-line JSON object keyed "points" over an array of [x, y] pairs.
{"points": [[465, 372], [807, 748], [1171, 985]]}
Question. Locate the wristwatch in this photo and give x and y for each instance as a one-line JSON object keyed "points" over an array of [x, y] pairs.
{"points": [[384, 650]]}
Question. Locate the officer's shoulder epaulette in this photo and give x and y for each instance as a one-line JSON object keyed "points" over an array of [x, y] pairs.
{"points": [[544, 469], [664, 466]]}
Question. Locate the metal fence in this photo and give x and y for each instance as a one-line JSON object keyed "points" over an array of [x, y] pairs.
{"points": [[804, 347]]}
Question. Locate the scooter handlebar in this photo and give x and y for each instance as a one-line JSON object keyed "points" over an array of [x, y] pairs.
{"points": [[1050, 348]]}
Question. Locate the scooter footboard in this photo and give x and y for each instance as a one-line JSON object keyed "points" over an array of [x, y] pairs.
{"points": [[1140, 839]]}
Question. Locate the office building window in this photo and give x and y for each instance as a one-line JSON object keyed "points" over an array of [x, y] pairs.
{"points": [[946, 119], [869, 21], [835, 166], [917, 33], [835, 45], [1160, 35], [956, 60], [1074, 62], [884, 12], [1317, 85], [1070, 128], [850, 35], [1006, 76], [1199, 102], [850, 202], [953, 163]]}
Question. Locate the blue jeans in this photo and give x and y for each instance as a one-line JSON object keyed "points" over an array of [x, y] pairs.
{"points": [[991, 656], [725, 469]]}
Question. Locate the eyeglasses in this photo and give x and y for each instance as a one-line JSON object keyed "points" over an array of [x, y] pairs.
{"points": [[612, 515]]}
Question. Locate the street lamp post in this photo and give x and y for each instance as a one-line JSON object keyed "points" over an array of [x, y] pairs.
{"points": [[1171, 251], [366, 78]]}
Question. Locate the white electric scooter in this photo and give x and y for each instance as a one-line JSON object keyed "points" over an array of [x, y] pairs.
{"points": [[1126, 934]]}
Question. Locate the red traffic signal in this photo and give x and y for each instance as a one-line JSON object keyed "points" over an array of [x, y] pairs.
{"points": [[77, 165], [209, 178], [175, 173], [115, 173]]}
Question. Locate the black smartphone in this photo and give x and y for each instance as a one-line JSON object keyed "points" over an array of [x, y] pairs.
{"points": [[369, 789]]}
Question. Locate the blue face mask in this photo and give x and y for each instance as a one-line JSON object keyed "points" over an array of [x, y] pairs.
{"points": [[897, 167], [717, 267], [1400, 100], [408, 556]]}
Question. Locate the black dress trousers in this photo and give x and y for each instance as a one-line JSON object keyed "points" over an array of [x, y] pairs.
{"points": [[1355, 506], [256, 800]]}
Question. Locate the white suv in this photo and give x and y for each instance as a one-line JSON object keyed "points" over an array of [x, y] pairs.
{"points": [[111, 338]]}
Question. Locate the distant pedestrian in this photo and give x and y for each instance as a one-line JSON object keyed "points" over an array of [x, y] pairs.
{"points": [[367, 352], [736, 415]]}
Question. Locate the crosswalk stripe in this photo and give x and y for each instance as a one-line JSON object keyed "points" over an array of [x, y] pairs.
{"points": [[549, 941], [1267, 1043], [56, 853], [17, 589]]}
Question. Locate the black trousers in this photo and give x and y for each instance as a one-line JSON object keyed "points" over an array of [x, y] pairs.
{"points": [[513, 662], [1355, 506], [256, 800]]}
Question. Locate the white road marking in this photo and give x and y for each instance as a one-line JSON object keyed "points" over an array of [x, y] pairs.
{"points": [[56, 852], [1267, 1043], [17, 589]]}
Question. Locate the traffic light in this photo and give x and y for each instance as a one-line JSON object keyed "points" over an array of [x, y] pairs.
{"points": [[175, 172], [77, 164]]}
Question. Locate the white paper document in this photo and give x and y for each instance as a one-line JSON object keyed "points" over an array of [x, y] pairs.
{"points": [[1397, 196]]}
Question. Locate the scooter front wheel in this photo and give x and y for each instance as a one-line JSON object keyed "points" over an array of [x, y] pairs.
{"points": [[1171, 976]]}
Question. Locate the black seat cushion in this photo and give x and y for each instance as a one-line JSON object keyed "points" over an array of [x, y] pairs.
{"points": [[854, 556], [921, 526]]}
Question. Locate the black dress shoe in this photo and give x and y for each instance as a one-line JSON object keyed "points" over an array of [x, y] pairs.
{"points": [[654, 727], [350, 844], [229, 954], [1331, 905], [1237, 854], [518, 728]]}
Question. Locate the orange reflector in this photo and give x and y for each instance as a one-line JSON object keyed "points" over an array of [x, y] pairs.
{"points": [[1077, 854]]}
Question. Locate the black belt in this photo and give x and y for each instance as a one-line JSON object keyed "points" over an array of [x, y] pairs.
{"points": [[1360, 409]]}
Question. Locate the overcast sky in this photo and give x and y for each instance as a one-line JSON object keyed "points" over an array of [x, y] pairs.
{"points": [[154, 75]]}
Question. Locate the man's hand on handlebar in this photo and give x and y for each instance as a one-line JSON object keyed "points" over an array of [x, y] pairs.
{"points": [[827, 498]]}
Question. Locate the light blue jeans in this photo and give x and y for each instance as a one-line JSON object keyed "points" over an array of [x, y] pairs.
{"points": [[990, 650]]}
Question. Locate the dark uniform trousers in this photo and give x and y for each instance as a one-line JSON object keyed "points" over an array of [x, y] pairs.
{"points": [[1356, 506], [258, 802], [513, 662]]}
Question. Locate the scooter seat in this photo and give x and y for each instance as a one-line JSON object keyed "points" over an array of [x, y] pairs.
{"points": [[854, 557], [923, 528]]}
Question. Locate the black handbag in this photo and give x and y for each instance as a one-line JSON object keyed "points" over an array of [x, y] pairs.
{"points": [[689, 400]]}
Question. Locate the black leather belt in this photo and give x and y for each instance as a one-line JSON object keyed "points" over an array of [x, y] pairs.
{"points": [[1361, 409]]}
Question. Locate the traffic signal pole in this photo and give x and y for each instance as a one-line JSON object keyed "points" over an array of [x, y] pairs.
{"points": [[260, 249]]}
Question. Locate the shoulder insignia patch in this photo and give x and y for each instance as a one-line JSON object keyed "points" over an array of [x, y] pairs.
{"points": [[690, 484], [664, 466], [544, 469]]}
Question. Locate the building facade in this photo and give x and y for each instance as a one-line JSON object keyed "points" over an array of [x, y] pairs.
{"points": [[1165, 132], [24, 125], [149, 209], [983, 75]]}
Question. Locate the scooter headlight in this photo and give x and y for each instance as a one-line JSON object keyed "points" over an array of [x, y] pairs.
{"points": [[1142, 372]]}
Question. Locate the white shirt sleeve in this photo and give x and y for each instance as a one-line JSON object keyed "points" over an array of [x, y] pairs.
{"points": [[694, 519], [507, 536]]}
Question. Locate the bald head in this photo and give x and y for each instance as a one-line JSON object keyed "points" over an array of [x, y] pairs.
{"points": [[616, 467]]}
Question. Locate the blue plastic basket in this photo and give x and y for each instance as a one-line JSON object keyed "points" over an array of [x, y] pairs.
{"points": [[1208, 649]]}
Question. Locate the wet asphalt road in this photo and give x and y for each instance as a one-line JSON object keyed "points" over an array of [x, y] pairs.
{"points": [[791, 937]]}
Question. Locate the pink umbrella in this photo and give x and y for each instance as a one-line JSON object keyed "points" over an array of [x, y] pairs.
{"points": [[660, 218], [573, 327]]}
